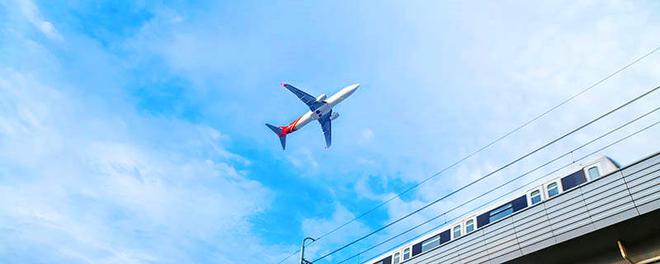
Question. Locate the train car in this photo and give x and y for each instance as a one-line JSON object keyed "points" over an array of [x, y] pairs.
{"points": [[546, 189]]}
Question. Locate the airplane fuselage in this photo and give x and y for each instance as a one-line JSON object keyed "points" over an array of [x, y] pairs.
{"points": [[320, 109], [329, 103]]}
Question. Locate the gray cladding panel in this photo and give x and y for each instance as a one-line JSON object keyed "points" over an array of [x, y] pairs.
{"points": [[646, 164], [561, 199], [532, 227], [505, 256], [611, 199], [633, 177], [564, 217], [471, 244], [598, 185], [440, 254], [643, 180], [615, 218], [610, 202], [618, 189], [476, 255], [530, 213]]}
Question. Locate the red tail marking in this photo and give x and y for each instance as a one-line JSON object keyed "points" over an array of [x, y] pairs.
{"points": [[290, 128]]}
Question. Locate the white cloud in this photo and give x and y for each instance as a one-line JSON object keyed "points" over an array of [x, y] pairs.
{"points": [[459, 76], [83, 183], [303, 159], [318, 226], [366, 135], [512, 68], [86, 178], [33, 15]]}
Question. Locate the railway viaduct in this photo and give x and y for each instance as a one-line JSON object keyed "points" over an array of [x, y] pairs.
{"points": [[613, 219]]}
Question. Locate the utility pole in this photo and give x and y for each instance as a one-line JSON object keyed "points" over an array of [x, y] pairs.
{"points": [[302, 251]]}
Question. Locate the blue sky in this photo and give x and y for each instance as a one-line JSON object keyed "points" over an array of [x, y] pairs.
{"points": [[132, 131]]}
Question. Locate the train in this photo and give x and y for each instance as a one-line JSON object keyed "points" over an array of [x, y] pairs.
{"points": [[546, 189]]}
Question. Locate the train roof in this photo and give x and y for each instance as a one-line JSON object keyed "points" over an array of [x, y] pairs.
{"points": [[574, 167]]}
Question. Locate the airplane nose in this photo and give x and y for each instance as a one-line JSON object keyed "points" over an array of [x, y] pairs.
{"points": [[351, 89]]}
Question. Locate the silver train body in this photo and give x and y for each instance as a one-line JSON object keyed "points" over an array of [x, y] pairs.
{"points": [[547, 188]]}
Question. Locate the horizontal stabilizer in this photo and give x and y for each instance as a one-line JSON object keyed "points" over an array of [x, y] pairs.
{"points": [[278, 132]]}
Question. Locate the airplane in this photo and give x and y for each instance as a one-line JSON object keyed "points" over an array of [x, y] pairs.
{"points": [[320, 108]]}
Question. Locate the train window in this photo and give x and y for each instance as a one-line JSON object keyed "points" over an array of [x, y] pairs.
{"points": [[445, 236], [387, 260], [535, 197], [553, 189], [573, 180], [469, 226], [406, 254], [457, 232], [396, 258], [593, 172], [430, 243], [501, 212]]}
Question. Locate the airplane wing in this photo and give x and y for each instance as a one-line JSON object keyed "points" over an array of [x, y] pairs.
{"points": [[309, 100], [326, 125]]}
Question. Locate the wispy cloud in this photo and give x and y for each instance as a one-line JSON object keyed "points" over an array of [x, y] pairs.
{"points": [[89, 180], [140, 138], [82, 190], [33, 15]]}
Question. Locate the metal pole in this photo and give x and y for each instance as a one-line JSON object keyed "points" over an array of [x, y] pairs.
{"points": [[302, 251], [622, 249], [625, 256]]}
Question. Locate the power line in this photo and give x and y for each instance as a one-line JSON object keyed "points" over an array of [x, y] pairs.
{"points": [[493, 142], [290, 255], [564, 166], [635, 61], [517, 178], [491, 173], [520, 176], [497, 198], [514, 179]]}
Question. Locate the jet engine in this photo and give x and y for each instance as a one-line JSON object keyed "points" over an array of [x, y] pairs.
{"points": [[334, 116], [321, 98]]}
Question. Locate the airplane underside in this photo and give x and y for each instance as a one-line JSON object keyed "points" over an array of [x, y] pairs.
{"points": [[320, 109]]}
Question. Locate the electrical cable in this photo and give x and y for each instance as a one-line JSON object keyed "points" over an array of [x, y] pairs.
{"points": [[493, 142], [571, 163], [517, 178], [491, 173], [635, 61]]}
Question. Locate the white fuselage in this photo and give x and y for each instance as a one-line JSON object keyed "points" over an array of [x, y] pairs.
{"points": [[330, 102]]}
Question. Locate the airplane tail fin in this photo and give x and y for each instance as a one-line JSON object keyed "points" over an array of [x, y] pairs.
{"points": [[278, 131]]}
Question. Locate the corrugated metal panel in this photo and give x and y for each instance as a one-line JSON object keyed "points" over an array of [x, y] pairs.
{"points": [[605, 201], [466, 248], [643, 180], [476, 252], [443, 254], [500, 239], [533, 229], [568, 215], [608, 200]]}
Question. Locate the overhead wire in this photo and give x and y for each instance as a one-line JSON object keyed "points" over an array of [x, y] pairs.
{"points": [[454, 164], [491, 173], [493, 142], [554, 171], [517, 178]]}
